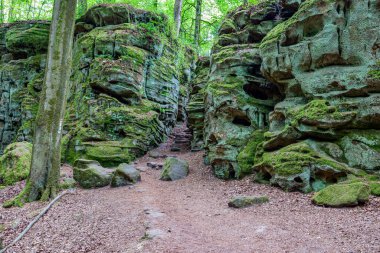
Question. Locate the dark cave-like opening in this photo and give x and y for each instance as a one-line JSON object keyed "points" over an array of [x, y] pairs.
{"points": [[242, 120]]}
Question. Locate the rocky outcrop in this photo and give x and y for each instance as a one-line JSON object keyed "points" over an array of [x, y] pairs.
{"points": [[128, 71], [238, 99], [323, 61], [293, 93], [196, 106], [22, 48]]}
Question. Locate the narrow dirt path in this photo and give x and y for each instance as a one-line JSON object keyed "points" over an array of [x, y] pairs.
{"points": [[191, 215]]}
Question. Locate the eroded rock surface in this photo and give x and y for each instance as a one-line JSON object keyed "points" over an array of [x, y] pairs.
{"points": [[129, 76], [292, 94], [237, 98]]}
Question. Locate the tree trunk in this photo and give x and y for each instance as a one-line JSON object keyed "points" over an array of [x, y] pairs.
{"points": [[46, 156], [82, 7], [198, 18], [2, 18], [177, 16], [10, 11]]}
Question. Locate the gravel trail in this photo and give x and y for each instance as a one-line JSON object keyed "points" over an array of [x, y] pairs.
{"points": [[189, 215]]}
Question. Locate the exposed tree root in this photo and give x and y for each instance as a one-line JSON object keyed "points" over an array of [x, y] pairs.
{"points": [[31, 224]]}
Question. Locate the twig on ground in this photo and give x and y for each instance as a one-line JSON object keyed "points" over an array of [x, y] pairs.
{"points": [[31, 224]]}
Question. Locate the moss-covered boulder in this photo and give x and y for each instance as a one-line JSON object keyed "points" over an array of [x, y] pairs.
{"points": [[15, 163], [343, 195], [125, 175], [90, 174], [246, 201], [174, 169], [301, 166]]}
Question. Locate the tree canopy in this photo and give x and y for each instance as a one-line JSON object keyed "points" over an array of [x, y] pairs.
{"points": [[211, 14]]}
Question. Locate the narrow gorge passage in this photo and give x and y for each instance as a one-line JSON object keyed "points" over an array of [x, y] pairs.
{"points": [[191, 215]]}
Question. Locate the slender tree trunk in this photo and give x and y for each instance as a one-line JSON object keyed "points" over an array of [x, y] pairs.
{"points": [[198, 18], [2, 18], [46, 156], [10, 11], [82, 7], [177, 15]]}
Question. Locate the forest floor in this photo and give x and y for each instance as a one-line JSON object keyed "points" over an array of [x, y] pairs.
{"points": [[189, 215]]}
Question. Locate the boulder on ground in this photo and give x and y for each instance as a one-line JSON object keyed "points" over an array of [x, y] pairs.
{"points": [[90, 174], [125, 175], [343, 195], [15, 163], [246, 201], [174, 169]]}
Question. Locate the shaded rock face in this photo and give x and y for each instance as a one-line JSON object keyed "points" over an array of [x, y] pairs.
{"points": [[127, 75], [292, 93], [237, 98], [126, 85], [22, 48], [196, 106]]}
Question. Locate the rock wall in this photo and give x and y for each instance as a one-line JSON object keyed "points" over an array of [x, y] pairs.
{"points": [[125, 86], [22, 48], [238, 99], [293, 93]]}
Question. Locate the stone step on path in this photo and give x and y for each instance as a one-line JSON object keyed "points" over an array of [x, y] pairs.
{"points": [[181, 137]]}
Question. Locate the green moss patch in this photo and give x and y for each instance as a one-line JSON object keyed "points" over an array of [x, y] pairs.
{"points": [[343, 194], [246, 158], [15, 163]]}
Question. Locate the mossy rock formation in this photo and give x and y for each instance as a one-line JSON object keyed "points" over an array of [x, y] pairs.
{"points": [[129, 77], [305, 75]]}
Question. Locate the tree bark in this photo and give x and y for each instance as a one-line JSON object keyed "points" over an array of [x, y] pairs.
{"points": [[178, 15], [2, 18], [82, 7], [198, 18], [46, 156]]}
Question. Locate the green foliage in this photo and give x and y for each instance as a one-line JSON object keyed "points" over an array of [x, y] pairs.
{"points": [[213, 12]]}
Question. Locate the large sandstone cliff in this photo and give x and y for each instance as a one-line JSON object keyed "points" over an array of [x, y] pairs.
{"points": [[128, 74], [292, 94]]}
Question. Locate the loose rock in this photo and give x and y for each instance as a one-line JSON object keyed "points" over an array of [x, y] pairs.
{"points": [[246, 201], [125, 175], [174, 169], [90, 174]]}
